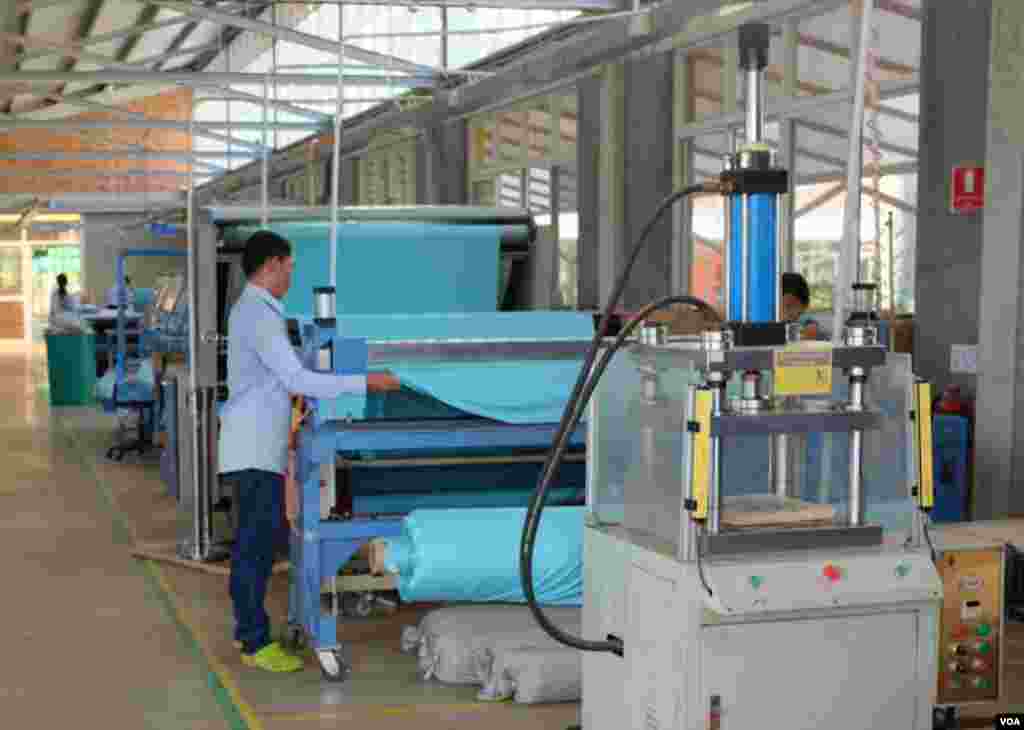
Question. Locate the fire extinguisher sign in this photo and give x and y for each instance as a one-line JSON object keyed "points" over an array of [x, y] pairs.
{"points": [[968, 190]]}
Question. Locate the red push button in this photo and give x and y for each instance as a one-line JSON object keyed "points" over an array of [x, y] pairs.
{"points": [[832, 573]]}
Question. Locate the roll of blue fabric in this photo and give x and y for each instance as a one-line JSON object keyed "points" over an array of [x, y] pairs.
{"points": [[472, 556]]}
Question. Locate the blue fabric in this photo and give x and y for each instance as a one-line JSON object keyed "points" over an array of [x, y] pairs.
{"points": [[395, 267], [260, 512], [454, 326], [512, 391], [472, 556]]}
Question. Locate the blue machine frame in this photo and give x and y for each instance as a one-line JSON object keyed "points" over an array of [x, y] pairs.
{"points": [[320, 548]]}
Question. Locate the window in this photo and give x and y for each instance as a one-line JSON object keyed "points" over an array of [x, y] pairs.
{"points": [[10, 271]]}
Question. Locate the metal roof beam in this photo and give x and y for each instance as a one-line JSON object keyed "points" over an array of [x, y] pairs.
{"points": [[133, 30], [122, 154], [586, 5], [284, 33], [122, 172], [27, 6], [7, 123], [114, 64], [559, 63], [207, 78]]}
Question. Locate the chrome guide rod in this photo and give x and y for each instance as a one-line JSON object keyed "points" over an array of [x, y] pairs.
{"points": [[755, 107], [857, 378], [726, 258], [714, 521]]}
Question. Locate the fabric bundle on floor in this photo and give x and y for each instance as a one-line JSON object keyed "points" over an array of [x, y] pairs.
{"points": [[472, 556], [500, 649]]}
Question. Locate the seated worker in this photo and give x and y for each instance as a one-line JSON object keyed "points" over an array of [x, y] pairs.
{"points": [[796, 296], [116, 294], [62, 302], [263, 373]]}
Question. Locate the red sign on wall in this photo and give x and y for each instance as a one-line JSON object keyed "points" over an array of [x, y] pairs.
{"points": [[968, 190]]}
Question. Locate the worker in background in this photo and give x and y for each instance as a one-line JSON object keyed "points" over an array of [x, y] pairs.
{"points": [[118, 294], [263, 373], [796, 297], [62, 302]]}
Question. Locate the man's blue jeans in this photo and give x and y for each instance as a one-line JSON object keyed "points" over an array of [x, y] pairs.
{"points": [[260, 504]]}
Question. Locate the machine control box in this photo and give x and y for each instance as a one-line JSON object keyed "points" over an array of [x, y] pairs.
{"points": [[970, 631], [821, 580]]}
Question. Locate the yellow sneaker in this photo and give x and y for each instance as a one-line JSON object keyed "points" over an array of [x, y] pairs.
{"points": [[273, 658]]}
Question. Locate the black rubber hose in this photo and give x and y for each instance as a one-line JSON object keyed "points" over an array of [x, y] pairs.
{"points": [[587, 381]]}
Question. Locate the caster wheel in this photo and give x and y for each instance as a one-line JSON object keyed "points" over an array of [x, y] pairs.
{"points": [[332, 665], [357, 605], [294, 638]]}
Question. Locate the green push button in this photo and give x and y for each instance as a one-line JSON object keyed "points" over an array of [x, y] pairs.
{"points": [[984, 629], [983, 647], [756, 581], [982, 683], [903, 570]]}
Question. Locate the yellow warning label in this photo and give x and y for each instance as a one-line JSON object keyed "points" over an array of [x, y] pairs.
{"points": [[803, 369]]}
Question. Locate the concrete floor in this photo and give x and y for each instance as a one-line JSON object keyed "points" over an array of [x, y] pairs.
{"points": [[97, 633], [94, 633]]}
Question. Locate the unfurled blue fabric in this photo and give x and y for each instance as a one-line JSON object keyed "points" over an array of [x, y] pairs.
{"points": [[510, 391], [394, 267], [472, 556]]}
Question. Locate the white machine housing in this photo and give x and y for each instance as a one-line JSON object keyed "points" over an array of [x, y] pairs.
{"points": [[828, 636]]}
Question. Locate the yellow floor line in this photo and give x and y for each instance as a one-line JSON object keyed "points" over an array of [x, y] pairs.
{"points": [[222, 672], [378, 710]]}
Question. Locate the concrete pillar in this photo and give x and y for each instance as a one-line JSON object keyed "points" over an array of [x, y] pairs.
{"points": [[953, 113], [441, 165], [588, 151], [449, 159], [999, 429], [648, 173]]}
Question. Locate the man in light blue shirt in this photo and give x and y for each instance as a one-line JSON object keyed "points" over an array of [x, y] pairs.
{"points": [[263, 373]]}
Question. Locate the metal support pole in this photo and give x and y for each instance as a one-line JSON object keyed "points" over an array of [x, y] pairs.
{"points": [[332, 492], [555, 204], [193, 396], [849, 251], [265, 162], [336, 153]]}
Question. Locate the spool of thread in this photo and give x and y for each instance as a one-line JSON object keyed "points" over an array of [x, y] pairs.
{"points": [[323, 302]]}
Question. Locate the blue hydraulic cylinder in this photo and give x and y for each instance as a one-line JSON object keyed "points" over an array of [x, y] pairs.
{"points": [[762, 274]]}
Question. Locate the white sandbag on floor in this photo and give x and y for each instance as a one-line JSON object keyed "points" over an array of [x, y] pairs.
{"points": [[468, 645], [534, 676]]}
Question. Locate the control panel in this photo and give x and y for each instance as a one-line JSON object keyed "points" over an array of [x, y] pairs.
{"points": [[970, 632], [821, 580]]}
